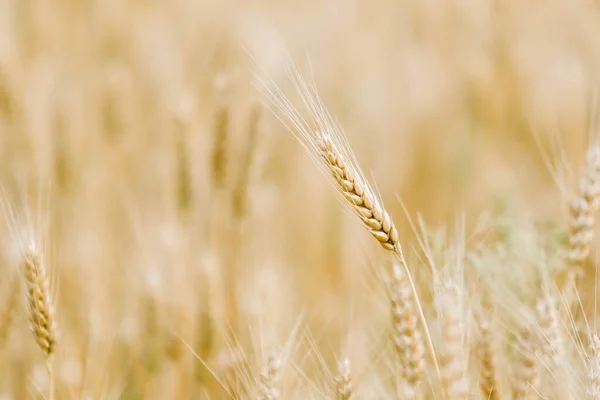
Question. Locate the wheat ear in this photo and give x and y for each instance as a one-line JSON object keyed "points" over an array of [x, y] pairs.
{"points": [[582, 209], [323, 139], [343, 382], [486, 355], [406, 336], [548, 321], [593, 369], [39, 302], [370, 211], [269, 377], [526, 378], [453, 349]]}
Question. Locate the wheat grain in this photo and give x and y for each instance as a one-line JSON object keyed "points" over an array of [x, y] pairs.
{"points": [[39, 302]]}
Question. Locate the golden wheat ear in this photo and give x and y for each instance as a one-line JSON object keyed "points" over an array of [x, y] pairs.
{"points": [[327, 146], [39, 302]]}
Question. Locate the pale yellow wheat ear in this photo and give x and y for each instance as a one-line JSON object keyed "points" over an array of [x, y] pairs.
{"points": [[526, 366], [550, 330], [325, 143], [406, 335], [485, 351], [453, 320], [582, 209], [593, 369]]}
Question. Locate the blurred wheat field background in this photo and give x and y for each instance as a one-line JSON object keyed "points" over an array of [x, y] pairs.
{"points": [[165, 237]]}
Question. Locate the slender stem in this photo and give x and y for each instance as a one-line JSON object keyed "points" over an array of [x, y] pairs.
{"points": [[51, 379], [429, 341]]}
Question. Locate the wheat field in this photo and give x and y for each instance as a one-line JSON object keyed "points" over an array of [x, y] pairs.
{"points": [[299, 200]]}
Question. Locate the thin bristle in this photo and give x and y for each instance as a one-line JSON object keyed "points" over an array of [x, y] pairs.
{"points": [[39, 302]]}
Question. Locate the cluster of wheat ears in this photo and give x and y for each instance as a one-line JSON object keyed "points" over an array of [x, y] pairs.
{"points": [[461, 330]]}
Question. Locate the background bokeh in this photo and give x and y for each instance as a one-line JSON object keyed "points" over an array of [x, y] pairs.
{"points": [[174, 205]]}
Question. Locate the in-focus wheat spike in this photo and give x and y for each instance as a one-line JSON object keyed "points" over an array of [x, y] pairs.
{"points": [[486, 357], [593, 369], [406, 336], [359, 194], [39, 302], [269, 378], [582, 210], [324, 140], [8, 311], [525, 382], [343, 382]]}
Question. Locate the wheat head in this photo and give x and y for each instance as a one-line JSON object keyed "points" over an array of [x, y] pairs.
{"points": [[39, 302]]}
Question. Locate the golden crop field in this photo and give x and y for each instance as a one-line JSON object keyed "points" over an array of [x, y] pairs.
{"points": [[318, 199]]}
